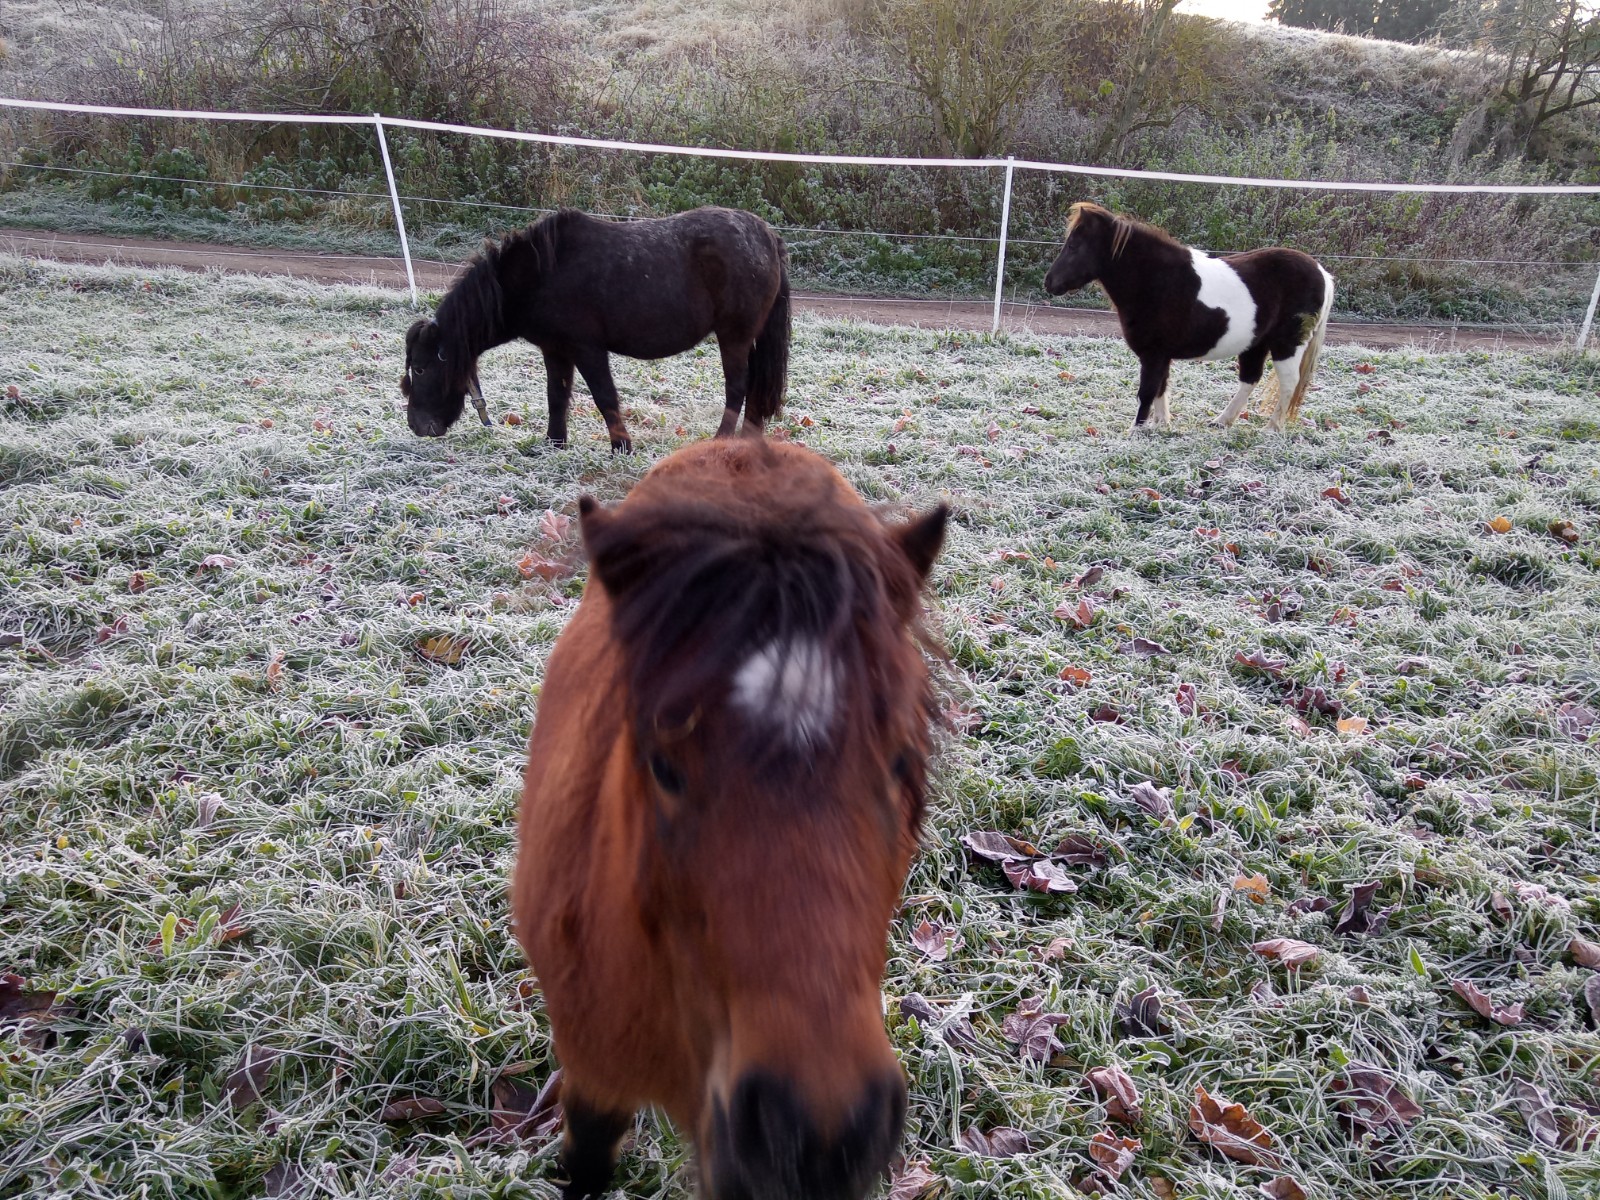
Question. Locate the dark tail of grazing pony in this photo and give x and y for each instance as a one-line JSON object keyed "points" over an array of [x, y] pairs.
{"points": [[769, 360]]}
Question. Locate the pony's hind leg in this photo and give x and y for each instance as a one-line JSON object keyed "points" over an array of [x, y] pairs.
{"points": [[1288, 370], [595, 367], [589, 1148], [1153, 376], [558, 390], [1251, 364], [735, 382]]}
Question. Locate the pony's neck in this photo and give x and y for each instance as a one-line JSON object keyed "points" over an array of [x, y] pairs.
{"points": [[1142, 268], [473, 318]]}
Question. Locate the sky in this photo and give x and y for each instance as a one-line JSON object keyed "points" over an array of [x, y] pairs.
{"points": [[1238, 10]]}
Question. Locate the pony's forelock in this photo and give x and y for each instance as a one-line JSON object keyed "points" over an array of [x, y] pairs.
{"points": [[1122, 227]]}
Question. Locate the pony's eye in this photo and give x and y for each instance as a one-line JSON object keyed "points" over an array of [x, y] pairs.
{"points": [[666, 775]]}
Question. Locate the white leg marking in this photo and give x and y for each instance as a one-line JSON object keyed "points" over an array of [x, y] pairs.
{"points": [[1288, 370], [1235, 406], [1222, 287], [1159, 413], [791, 685]]}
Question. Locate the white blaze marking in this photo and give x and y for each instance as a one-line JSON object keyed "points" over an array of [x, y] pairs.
{"points": [[1221, 287], [792, 685]]}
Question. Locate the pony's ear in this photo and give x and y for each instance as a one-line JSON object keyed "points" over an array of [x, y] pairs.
{"points": [[415, 333], [613, 557], [922, 539]]}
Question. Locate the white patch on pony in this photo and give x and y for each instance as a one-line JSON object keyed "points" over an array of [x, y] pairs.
{"points": [[1288, 370], [1222, 287], [792, 685], [1235, 406]]}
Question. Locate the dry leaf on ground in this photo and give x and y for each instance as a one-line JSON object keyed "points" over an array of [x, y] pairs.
{"points": [[1368, 1099], [1000, 1142], [1259, 660], [521, 1112], [444, 649], [998, 847], [411, 1108], [1584, 952], [1033, 1031], [1291, 953], [1480, 1003], [1155, 801], [1284, 1187], [934, 940], [1255, 887], [1038, 875], [911, 1181], [1113, 1154], [243, 1085], [1115, 1088], [1140, 1015], [1227, 1128]]}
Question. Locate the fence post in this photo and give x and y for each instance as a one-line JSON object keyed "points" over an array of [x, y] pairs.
{"points": [[1588, 317], [1005, 224], [394, 195]]}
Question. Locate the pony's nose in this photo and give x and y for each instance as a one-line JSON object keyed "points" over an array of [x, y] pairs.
{"points": [[767, 1146]]}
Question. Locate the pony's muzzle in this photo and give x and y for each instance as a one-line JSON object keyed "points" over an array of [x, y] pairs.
{"points": [[767, 1146]]}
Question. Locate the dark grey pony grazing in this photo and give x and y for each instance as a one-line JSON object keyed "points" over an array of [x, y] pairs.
{"points": [[581, 289], [1178, 302]]}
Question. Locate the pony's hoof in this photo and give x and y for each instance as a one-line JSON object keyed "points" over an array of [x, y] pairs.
{"points": [[622, 445], [556, 443], [1221, 423]]}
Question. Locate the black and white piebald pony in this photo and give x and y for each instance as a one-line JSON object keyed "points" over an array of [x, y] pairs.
{"points": [[1178, 302]]}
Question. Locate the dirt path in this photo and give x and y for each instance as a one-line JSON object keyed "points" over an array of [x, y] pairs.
{"points": [[934, 314]]}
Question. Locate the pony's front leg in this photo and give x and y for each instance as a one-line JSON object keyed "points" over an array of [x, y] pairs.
{"points": [[1153, 375], [589, 1148], [1288, 370], [735, 382], [1251, 363], [595, 367], [558, 392]]}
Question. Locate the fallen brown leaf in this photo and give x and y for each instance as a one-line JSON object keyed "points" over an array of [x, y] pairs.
{"points": [[522, 1112], [1076, 676], [1259, 661], [1591, 997], [1500, 525], [912, 1181], [1038, 875], [411, 1108], [444, 649], [1143, 647], [934, 940], [1480, 1003], [1584, 952], [1291, 953], [217, 562], [1370, 1099], [1033, 1031], [1115, 1087], [1090, 577], [1255, 887], [1188, 698], [1079, 616], [1576, 721], [1538, 1112], [1000, 1142], [1155, 801], [243, 1084], [18, 1003], [998, 847], [553, 526], [1284, 1187], [1140, 1015], [1352, 725], [1356, 915], [1230, 1130], [1113, 1154]]}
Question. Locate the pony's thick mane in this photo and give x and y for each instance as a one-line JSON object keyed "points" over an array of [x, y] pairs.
{"points": [[708, 581], [471, 314], [1122, 227]]}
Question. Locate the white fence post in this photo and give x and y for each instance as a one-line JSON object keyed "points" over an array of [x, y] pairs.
{"points": [[1005, 224], [394, 195], [1588, 317]]}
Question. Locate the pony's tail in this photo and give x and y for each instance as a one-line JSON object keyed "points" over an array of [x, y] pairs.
{"points": [[1308, 364], [769, 358]]}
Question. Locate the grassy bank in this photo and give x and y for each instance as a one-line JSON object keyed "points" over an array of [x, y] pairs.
{"points": [[226, 562]]}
